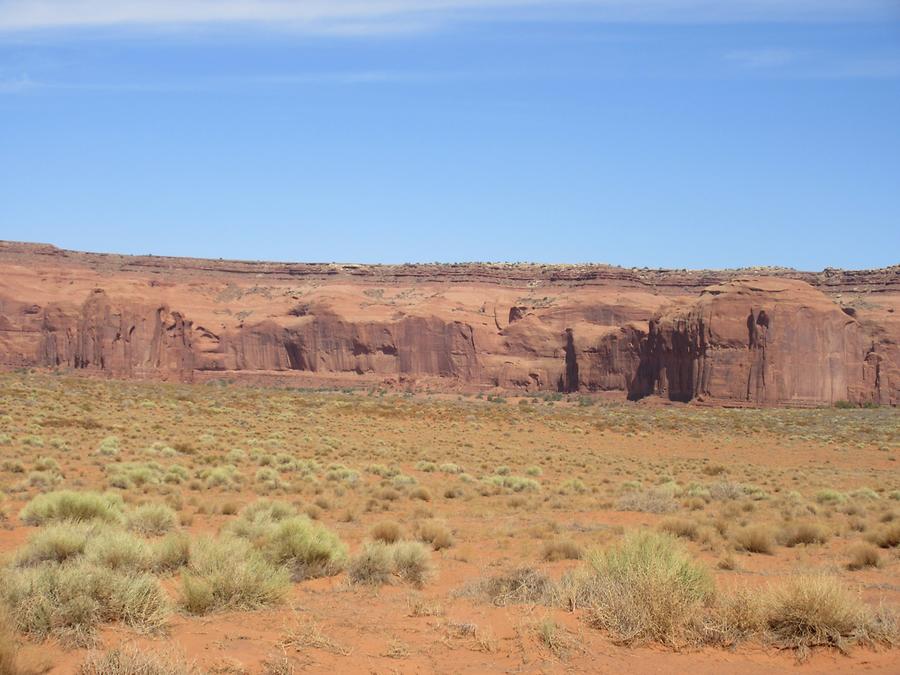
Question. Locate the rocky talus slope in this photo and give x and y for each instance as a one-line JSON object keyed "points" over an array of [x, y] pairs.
{"points": [[758, 336]]}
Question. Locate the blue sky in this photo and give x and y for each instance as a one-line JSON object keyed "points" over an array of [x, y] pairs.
{"points": [[660, 133]]}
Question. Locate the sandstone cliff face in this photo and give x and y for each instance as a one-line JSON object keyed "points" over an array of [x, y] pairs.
{"points": [[762, 341], [759, 337]]}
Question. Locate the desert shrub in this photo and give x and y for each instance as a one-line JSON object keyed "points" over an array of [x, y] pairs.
{"points": [[514, 483], [646, 589], [135, 474], [520, 585], [12, 466], [887, 537], [653, 501], [109, 446], [435, 533], [382, 470], [170, 553], [803, 533], [534, 471], [387, 531], [225, 477], [863, 555], [426, 466], [806, 612], [714, 469], [9, 663], [754, 539], [74, 506], [378, 562], [829, 496], [402, 480], [421, 494], [411, 562], [256, 519], [561, 549], [70, 601], [118, 550], [46, 464], [450, 468], [228, 573], [865, 494], [573, 486], [680, 527], [372, 565], [152, 519], [176, 474], [310, 549], [129, 660], [726, 491], [55, 543], [738, 616]]}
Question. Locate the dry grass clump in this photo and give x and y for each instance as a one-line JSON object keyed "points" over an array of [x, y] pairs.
{"points": [[754, 539], [73, 506], [803, 533], [55, 543], [863, 555], [680, 527], [653, 501], [435, 533], [70, 601], [387, 531], [555, 638], [646, 589], [807, 612], [152, 519], [129, 660], [519, 586], [561, 549], [378, 562], [9, 663], [229, 573], [887, 537]]}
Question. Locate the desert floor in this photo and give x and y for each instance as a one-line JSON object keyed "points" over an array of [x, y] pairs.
{"points": [[499, 489]]}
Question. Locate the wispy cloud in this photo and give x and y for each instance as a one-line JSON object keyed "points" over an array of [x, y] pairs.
{"points": [[24, 83], [768, 57], [16, 85], [370, 16]]}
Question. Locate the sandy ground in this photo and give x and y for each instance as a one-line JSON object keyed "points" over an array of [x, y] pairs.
{"points": [[400, 629]]}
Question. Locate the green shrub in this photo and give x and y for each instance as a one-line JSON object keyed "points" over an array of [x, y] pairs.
{"points": [[74, 506], [310, 549], [152, 519], [829, 496], [228, 573], [170, 553], [119, 550], [55, 543]]}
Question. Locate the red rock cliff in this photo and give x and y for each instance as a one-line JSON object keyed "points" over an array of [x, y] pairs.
{"points": [[759, 336]]}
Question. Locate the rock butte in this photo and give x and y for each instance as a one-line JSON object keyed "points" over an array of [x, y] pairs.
{"points": [[751, 336]]}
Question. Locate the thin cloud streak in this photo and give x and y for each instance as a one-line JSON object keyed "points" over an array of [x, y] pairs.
{"points": [[762, 58], [357, 17]]}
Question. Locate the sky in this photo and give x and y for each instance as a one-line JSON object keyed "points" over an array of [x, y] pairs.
{"points": [[644, 133]]}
